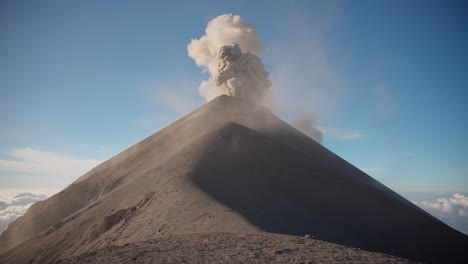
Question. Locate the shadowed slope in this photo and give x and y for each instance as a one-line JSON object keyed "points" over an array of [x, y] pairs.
{"points": [[284, 191], [229, 166]]}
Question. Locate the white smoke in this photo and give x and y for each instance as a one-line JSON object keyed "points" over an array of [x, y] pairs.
{"points": [[306, 124], [230, 51]]}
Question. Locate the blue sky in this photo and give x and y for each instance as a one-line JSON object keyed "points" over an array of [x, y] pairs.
{"points": [[81, 81]]}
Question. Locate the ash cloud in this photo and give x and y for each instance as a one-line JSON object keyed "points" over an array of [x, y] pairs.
{"points": [[305, 123], [230, 51], [303, 81]]}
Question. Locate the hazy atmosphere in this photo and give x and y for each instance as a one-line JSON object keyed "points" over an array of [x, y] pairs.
{"points": [[382, 85]]}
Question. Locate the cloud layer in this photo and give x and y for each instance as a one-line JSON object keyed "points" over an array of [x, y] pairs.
{"points": [[13, 206], [453, 210]]}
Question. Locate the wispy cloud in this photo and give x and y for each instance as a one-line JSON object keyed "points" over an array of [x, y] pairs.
{"points": [[373, 169], [44, 162], [385, 100], [167, 101], [178, 97], [376, 172], [304, 78], [175, 101], [336, 133]]}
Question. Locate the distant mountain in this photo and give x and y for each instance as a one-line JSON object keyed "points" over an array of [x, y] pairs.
{"points": [[228, 167]]}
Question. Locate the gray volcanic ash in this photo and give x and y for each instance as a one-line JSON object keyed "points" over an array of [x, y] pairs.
{"points": [[241, 75], [230, 51]]}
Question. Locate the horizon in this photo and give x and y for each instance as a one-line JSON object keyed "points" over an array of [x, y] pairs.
{"points": [[386, 83]]}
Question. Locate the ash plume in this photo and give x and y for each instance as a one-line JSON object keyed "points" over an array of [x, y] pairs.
{"points": [[240, 74], [306, 124], [230, 51]]}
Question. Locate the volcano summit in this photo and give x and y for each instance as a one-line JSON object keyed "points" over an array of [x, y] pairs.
{"points": [[226, 175]]}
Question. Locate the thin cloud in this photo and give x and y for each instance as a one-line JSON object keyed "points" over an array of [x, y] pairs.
{"points": [[178, 97], [373, 169], [175, 102], [377, 172], [43, 162], [386, 102], [303, 76], [167, 101], [336, 133]]}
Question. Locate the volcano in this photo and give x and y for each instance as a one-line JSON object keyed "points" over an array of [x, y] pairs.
{"points": [[230, 168]]}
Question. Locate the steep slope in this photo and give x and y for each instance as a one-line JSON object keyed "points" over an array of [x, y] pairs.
{"points": [[43, 214], [157, 201], [227, 167]]}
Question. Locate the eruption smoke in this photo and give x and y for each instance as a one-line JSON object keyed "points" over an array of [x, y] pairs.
{"points": [[230, 51], [306, 124], [240, 74]]}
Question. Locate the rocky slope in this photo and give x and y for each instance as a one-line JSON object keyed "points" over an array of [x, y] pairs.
{"points": [[228, 167]]}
